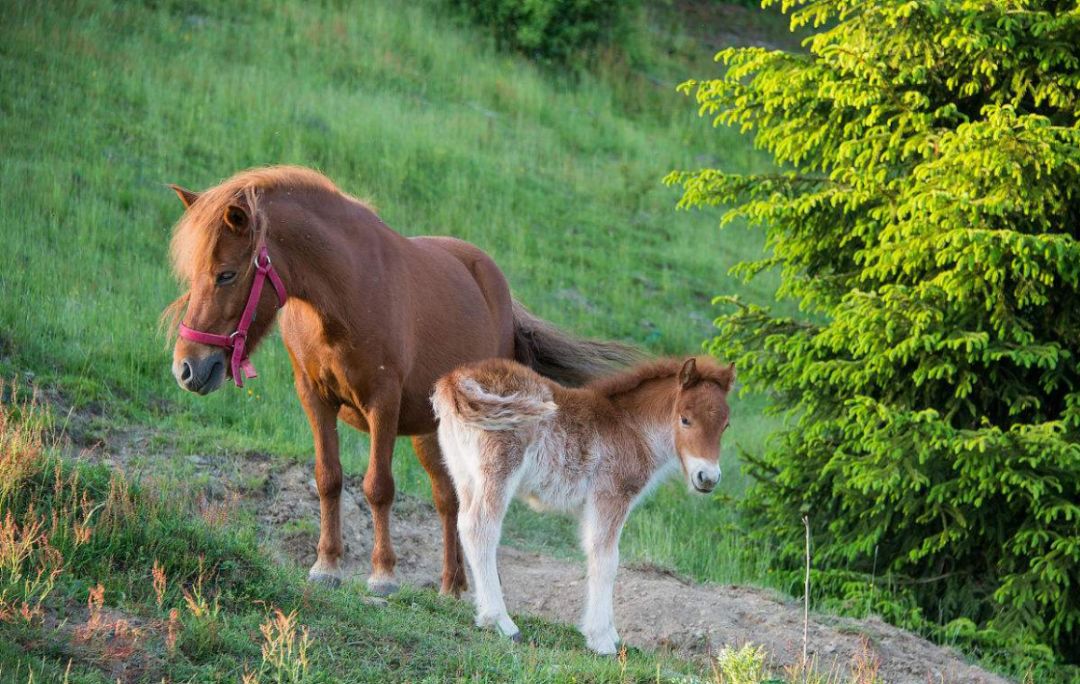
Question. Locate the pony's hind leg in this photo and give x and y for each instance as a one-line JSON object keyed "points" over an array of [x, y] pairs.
{"points": [[323, 419], [480, 524], [446, 503], [603, 522], [382, 419]]}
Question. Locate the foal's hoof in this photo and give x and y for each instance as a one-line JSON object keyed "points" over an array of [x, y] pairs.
{"points": [[604, 647], [325, 579], [516, 637], [382, 587]]}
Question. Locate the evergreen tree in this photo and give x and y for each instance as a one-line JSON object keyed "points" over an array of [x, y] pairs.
{"points": [[925, 216]]}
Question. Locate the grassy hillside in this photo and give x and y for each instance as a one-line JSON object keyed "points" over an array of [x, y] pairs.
{"points": [[103, 579], [558, 178]]}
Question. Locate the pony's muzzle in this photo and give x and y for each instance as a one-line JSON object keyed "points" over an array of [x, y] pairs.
{"points": [[201, 376]]}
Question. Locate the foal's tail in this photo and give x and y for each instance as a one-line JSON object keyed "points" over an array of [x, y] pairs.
{"points": [[568, 360], [480, 399]]}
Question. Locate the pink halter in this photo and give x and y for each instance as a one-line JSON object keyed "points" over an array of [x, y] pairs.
{"points": [[241, 364]]}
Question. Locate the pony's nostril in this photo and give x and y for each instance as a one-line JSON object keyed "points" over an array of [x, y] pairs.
{"points": [[185, 371]]}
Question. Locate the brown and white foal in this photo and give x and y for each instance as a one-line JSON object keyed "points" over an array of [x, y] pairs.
{"points": [[594, 451]]}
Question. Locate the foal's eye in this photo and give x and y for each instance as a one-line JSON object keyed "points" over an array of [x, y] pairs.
{"points": [[226, 277], [685, 421]]}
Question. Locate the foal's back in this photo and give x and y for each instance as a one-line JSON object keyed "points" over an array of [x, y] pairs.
{"points": [[502, 422]]}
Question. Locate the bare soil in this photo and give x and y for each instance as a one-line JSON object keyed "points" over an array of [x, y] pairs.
{"points": [[655, 609]]}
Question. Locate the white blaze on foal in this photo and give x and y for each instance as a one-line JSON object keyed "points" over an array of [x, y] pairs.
{"points": [[505, 431]]}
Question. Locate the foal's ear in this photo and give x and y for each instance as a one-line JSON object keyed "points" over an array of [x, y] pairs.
{"points": [[688, 375], [729, 372], [186, 196], [236, 217]]}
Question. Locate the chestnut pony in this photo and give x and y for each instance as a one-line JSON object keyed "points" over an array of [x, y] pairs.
{"points": [[370, 319]]}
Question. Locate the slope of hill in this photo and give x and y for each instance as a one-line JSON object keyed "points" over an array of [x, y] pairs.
{"points": [[103, 102]]}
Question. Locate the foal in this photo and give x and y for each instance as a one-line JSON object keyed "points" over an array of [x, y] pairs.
{"points": [[595, 451]]}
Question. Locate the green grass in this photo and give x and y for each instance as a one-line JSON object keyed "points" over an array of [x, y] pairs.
{"points": [[205, 622], [103, 103]]}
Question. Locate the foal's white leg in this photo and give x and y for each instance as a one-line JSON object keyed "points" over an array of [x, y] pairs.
{"points": [[480, 527], [600, 539]]}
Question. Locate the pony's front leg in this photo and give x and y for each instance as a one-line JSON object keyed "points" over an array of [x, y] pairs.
{"points": [[480, 526], [382, 420], [322, 416], [603, 524]]}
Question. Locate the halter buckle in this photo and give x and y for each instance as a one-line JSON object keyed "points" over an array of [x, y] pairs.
{"points": [[262, 267]]}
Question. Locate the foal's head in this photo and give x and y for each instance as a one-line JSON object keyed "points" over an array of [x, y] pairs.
{"points": [[699, 418], [213, 250]]}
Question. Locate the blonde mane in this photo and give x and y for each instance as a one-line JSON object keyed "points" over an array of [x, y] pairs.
{"points": [[196, 233], [708, 368]]}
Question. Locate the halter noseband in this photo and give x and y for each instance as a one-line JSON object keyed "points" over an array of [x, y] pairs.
{"points": [[241, 364]]}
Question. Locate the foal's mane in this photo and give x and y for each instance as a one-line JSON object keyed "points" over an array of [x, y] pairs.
{"points": [[197, 232], [708, 368]]}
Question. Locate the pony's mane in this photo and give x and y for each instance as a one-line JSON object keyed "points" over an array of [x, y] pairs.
{"points": [[708, 368], [196, 233]]}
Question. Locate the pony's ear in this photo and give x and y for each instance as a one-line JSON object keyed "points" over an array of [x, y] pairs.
{"points": [[236, 217], [688, 374], [186, 196]]}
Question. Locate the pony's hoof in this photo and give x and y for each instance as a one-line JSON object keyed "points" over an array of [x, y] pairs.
{"points": [[325, 579], [382, 587], [516, 637]]}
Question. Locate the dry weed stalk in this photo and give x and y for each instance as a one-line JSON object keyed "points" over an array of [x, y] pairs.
{"points": [[806, 598], [217, 513], [284, 649], [159, 582], [866, 664], [197, 603], [21, 440], [94, 622], [29, 566], [172, 630]]}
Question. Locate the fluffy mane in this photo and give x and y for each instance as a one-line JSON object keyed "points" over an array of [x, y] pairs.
{"points": [[708, 368], [197, 231]]}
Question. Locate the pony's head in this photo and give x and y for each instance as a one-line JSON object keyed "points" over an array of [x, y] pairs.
{"points": [[213, 252], [699, 418]]}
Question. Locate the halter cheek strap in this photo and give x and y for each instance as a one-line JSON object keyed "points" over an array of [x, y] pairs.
{"points": [[237, 341]]}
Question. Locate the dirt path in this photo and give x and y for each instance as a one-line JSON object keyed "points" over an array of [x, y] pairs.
{"points": [[654, 609]]}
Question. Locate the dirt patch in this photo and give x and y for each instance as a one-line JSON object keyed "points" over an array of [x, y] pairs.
{"points": [[122, 646], [654, 609]]}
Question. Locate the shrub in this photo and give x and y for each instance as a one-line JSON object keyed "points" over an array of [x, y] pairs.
{"points": [[551, 30], [925, 217]]}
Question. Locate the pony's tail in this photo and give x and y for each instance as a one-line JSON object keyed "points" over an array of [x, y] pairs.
{"points": [[461, 398], [566, 359]]}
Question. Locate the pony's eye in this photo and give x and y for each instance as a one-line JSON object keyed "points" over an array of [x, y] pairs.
{"points": [[226, 277], [685, 421]]}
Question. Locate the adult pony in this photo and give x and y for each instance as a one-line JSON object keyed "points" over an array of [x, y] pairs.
{"points": [[370, 319]]}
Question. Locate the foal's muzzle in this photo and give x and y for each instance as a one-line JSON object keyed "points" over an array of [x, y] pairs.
{"points": [[703, 482], [201, 376], [703, 475]]}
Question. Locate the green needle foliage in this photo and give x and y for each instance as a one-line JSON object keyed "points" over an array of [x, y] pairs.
{"points": [[926, 218]]}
